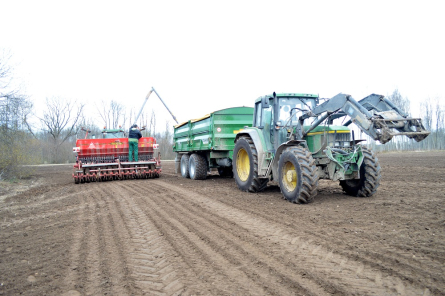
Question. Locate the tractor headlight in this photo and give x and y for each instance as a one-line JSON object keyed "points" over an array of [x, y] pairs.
{"points": [[337, 144]]}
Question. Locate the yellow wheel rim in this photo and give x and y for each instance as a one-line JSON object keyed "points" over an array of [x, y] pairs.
{"points": [[289, 176], [242, 165]]}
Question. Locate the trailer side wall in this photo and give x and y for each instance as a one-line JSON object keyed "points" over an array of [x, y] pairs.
{"points": [[214, 133]]}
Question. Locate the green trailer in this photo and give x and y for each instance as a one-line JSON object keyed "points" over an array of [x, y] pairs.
{"points": [[207, 142]]}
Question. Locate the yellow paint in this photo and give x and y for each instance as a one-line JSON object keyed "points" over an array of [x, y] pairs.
{"points": [[237, 131], [329, 132], [117, 142], [289, 175], [198, 119], [243, 165], [193, 120]]}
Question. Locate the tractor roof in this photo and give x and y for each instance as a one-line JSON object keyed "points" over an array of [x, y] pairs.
{"points": [[112, 130], [290, 95]]}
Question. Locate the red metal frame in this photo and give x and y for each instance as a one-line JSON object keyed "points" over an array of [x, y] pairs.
{"points": [[112, 147]]}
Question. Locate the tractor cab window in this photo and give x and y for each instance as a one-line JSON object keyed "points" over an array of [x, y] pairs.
{"points": [[263, 116], [266, 117], [113, 134], [258, 114], [288, 105]]}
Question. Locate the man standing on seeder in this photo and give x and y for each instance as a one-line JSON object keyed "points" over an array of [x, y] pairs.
{"points": [[133, 138]]}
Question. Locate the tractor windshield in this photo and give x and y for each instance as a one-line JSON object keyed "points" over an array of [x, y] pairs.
{"points": [[113, 134], [295, 107]]}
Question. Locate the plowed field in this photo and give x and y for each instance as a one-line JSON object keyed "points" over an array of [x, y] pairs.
{"points": [[175, 236]]}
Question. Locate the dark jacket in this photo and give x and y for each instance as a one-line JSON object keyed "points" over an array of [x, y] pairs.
{"points": [[134, 133]]}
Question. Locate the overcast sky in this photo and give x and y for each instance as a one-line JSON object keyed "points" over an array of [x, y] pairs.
{"points": [[202, 56]]}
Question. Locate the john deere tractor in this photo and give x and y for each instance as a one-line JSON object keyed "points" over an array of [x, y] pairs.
{"points": [[294, 143]]}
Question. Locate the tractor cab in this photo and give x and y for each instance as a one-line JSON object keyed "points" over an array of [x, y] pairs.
{"points": [[113, 133], [278, 115]]}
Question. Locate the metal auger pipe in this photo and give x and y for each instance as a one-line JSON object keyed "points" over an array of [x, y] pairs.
{"points": [[143, 105], [174, 118]]}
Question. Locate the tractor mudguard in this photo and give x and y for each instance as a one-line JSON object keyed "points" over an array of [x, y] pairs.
{"points": [[276, 159], [258, 139]]}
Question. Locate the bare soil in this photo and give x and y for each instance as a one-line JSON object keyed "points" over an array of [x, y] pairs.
{"points": [[175, 236]]}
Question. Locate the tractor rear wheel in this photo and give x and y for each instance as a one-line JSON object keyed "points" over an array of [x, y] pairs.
{"points": [[185, 159], [298, 175], [197, 167], [245, 166], [370, 176]]}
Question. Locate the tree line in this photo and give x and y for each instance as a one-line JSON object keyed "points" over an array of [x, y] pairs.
{"points": [[26, 138]]}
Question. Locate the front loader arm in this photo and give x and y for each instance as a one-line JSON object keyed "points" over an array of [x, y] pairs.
{"points": [[374, 115]]}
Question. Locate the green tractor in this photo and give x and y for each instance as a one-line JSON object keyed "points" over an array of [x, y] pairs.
{"points": [[293, 143]]}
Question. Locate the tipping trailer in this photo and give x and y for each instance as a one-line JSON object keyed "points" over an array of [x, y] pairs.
{"points": [[207, 142]]}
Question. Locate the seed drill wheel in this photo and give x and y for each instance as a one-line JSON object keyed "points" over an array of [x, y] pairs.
{"points": [[297, 175], [185, 159], [245, 166], [197, 167], [370, 176]]}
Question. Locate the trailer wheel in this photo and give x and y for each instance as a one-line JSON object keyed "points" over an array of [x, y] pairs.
{"points": [[370, 176], [197, 167], [185, 166], [298, 175], [245, 166]]}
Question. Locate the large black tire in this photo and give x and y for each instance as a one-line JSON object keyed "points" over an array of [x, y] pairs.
{"points": [[185, 160], [245, 166], [370, 176], [226, 172], [197, 167], [297, 175]]}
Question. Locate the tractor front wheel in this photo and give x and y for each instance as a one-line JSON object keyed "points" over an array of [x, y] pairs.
{"points": [[370, 176], [298, 175], [245, 166]]}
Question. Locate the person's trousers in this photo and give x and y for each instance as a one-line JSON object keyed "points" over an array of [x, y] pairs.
{"points": [[133, 148]]}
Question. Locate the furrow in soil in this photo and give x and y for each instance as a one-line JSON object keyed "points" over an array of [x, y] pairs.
{"points": [[148, 261], [350, 274]]}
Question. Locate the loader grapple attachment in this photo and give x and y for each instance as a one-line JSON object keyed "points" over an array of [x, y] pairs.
{"points": [[107, 159], [375, 115], [391, 121]]}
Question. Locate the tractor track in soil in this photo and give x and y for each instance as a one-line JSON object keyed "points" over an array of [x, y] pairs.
{"points": [[176, 236]]}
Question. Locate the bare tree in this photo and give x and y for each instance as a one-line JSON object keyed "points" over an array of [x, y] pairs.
{"points": [[153, 122], [88, 124], [402, 103], [16, 145], [112, 114], [5, 75], [60, 122]]}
